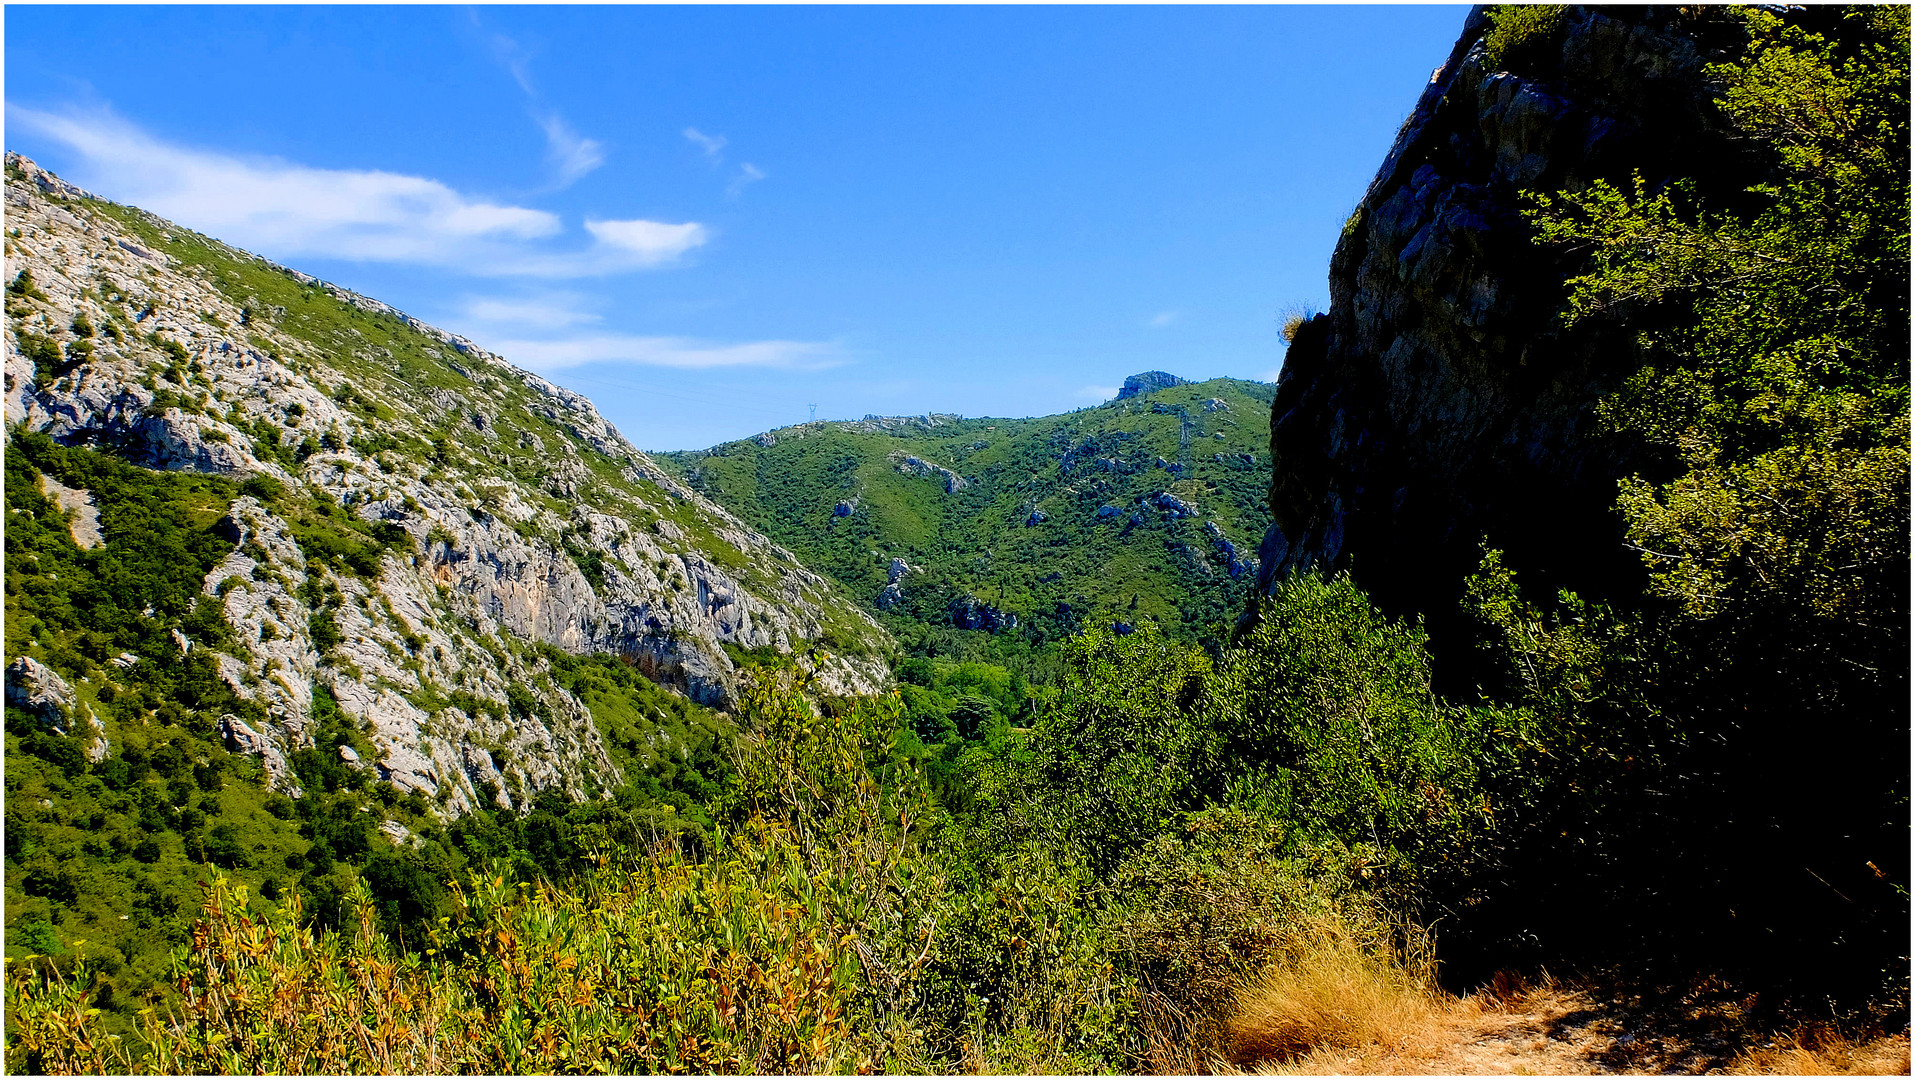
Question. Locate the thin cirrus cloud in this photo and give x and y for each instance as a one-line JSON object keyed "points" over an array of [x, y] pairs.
{"points": [[285, 209], [569, 154], [537, 314], [747, 176], [548, 356], [1161, 319], [712, 145]]}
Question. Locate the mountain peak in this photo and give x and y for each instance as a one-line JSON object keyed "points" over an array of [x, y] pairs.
{"points": [[1147, 382]]}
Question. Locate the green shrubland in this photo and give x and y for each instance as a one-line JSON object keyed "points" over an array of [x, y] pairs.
{"points": [[103, 859], [1120, 846], [1086, 906], [1024, 538]]}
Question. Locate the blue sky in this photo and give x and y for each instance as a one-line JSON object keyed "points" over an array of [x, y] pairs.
{"points": [[707, 218]]}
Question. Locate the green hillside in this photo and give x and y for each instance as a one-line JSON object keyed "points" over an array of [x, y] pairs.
{"points": [[1017, 532]]}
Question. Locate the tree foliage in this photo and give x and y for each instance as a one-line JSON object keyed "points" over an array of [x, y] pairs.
{"points": [[1776, 373], [1731, 751]]}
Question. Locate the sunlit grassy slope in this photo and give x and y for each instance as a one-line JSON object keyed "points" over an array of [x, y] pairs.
{"points": [[1022, 534]]}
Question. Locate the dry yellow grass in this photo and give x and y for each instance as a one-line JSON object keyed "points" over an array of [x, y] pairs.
{"points": [[1827, 1052], [1337, 1008], [1334, 990], [1291, 319]]}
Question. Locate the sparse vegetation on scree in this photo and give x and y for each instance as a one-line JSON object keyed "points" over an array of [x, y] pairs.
{"points": [[1113, 844]]}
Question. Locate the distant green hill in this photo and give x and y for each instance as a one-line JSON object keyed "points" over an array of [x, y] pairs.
{"points": [[990, 537]]}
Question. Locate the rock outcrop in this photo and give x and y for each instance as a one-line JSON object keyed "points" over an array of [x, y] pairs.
{"points": [[1172, 506], [912, 465], [39, 690], [970, 613], [1438, 401], [516, 516], [1147, 382]]}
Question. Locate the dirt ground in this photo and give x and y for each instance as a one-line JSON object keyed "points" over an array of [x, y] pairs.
{"points": [[1557, 1030]]}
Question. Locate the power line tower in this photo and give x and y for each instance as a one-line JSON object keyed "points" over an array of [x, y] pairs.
{"points": [[814, 412]]}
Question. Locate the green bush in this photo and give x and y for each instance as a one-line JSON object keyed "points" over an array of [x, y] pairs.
{"points": [[1770, 409], [1523, 36], [1332, 723], [22, 285], [49, 363]]}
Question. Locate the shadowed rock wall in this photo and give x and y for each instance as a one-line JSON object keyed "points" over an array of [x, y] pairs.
{"points": [[1437, 401]]}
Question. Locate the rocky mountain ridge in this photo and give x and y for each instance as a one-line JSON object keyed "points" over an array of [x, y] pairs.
{"points": [[1437, 400], [509, 514]]}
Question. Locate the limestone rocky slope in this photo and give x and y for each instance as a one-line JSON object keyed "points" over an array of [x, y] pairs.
{"points": [[515, 514], [1437, 401]]}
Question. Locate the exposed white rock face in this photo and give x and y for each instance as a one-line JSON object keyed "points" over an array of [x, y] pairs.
{"points": [[257, 583], [517, 517], [241, 736], [86, 517], [911, 465], [39, 689]]}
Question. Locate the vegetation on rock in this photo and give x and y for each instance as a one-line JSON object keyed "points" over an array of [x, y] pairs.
{"points": [[1144, 508], [1750, 710], [1089, 829]]}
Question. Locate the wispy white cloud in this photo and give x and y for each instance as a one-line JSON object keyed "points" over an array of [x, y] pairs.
{"points": [[746, 177], [285, 209], [552, 355], [509, 55], [648, 242], [569, 154], [1161, 319], [538, 313], [1097, 393], [712, 145]]}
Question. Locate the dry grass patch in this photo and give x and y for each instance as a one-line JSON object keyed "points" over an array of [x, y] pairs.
{"points": [[1826, 1051], [1335, 989], [1339, 1008]]}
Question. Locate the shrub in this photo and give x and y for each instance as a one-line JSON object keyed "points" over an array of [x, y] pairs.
{"points": [[1128, 744], [48, 361], [1328, 714], [22, 285], [1523, 35], [1769, 409], [323, 625]]}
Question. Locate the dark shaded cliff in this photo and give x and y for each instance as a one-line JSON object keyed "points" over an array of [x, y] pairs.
{"points": [[1441, 403], [1437, 402]]}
